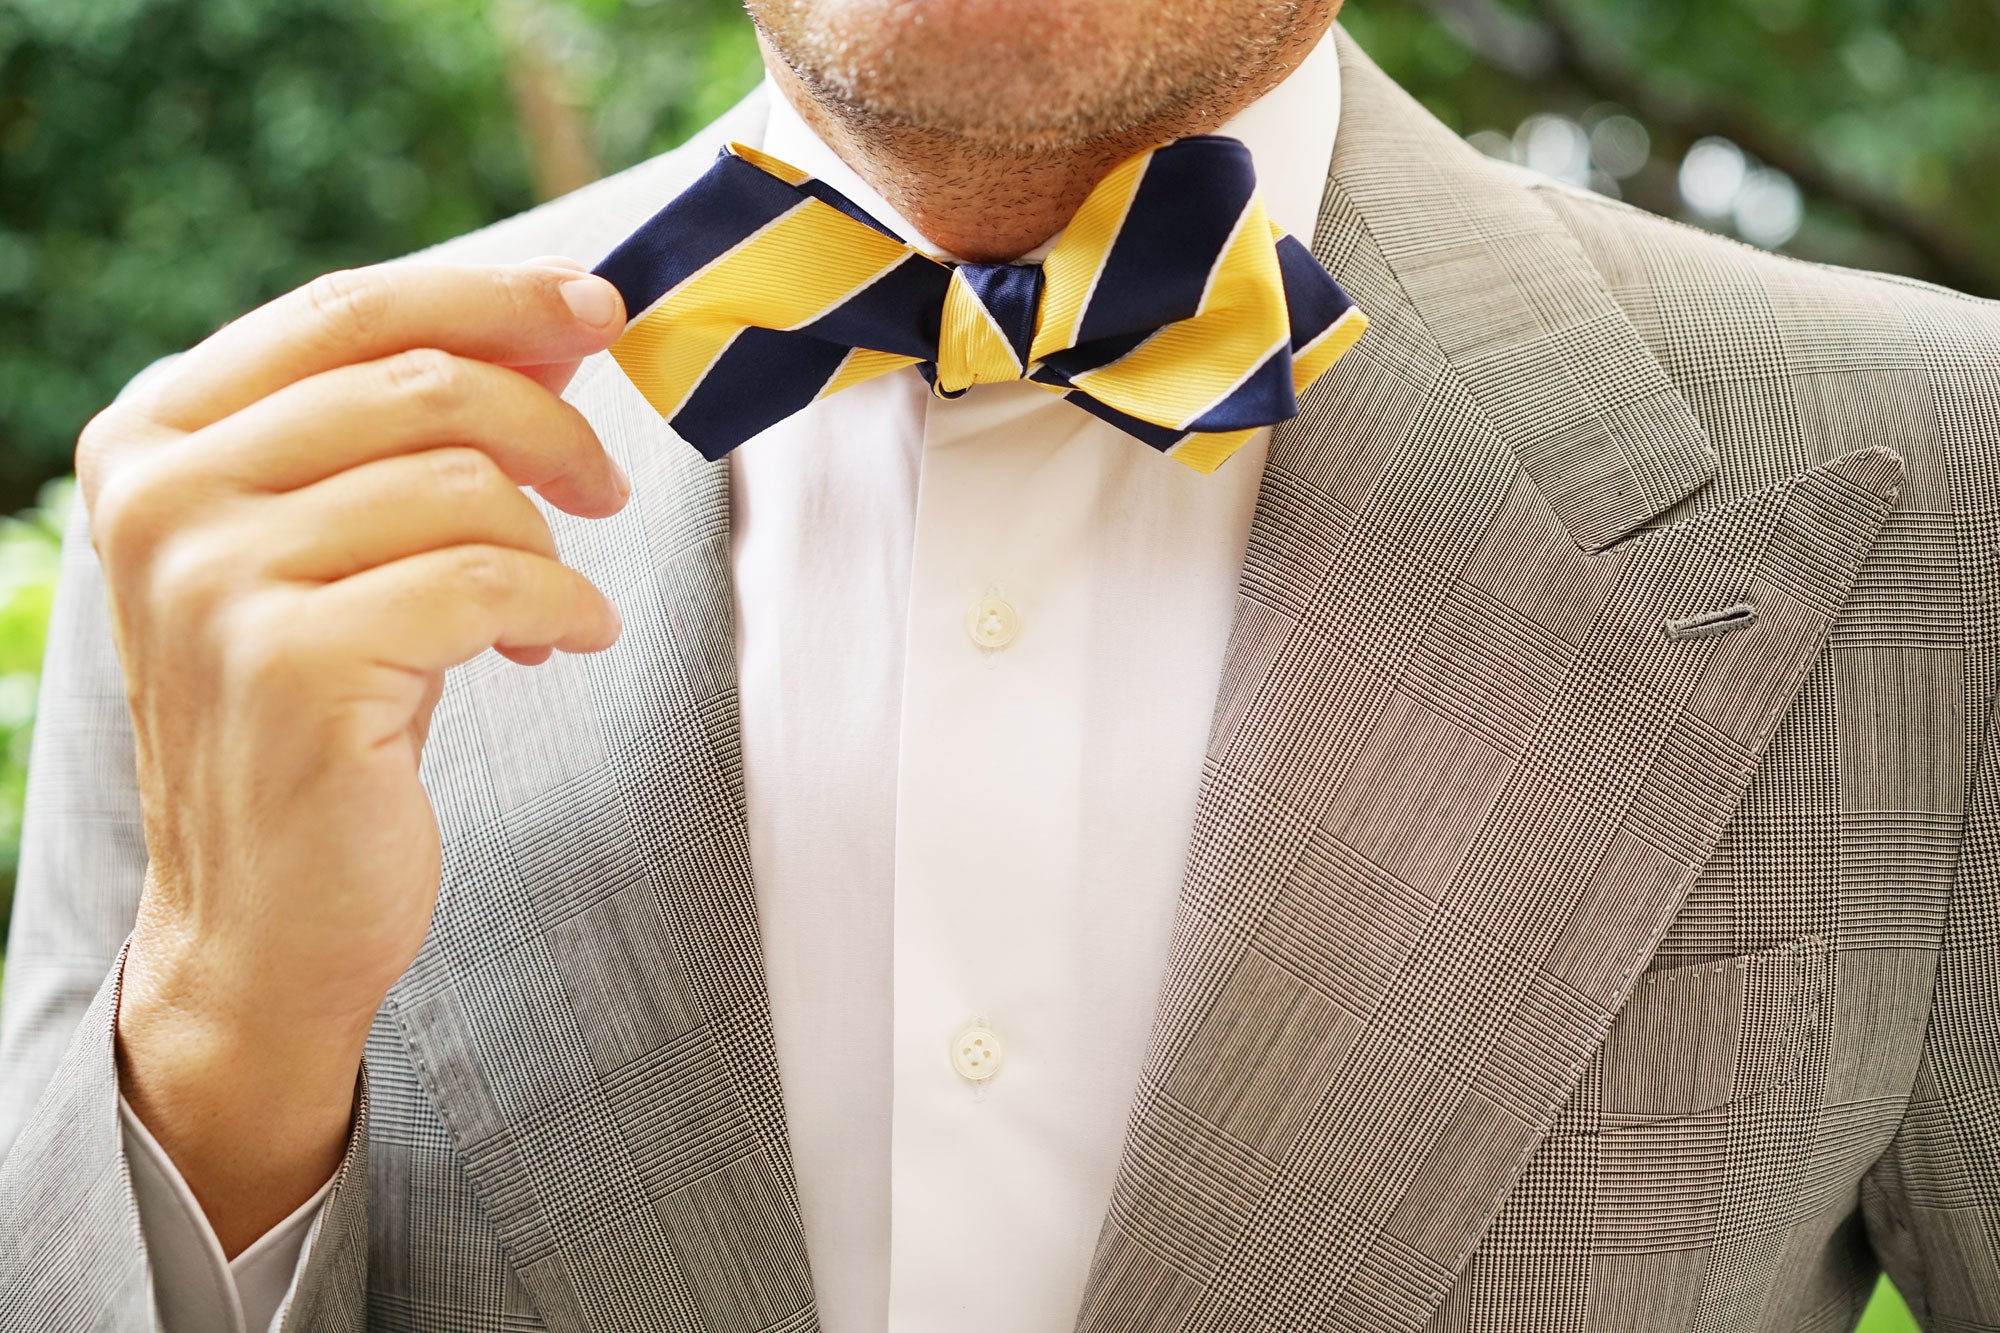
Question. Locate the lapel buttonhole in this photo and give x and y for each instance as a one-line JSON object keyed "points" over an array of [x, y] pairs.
{"points": [[1710, 623]]}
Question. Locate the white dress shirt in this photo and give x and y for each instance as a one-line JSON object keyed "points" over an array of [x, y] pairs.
{"points": [[978, 645]]}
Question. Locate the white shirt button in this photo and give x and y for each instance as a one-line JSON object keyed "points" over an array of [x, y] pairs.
{"points": [[992, 621], [975, 1053]]}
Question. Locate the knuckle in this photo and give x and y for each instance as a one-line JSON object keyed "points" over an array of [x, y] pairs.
{"points": [[193, 573], [348, 303], [127, 522], [485, 572], [462, 474], [531, 295], [264, 658], [428, 379], [96, 442]]}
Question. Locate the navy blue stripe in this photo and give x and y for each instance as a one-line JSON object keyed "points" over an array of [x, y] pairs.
{"points": [[826, 194], [899, 312], [1012, 294], [1048, 374], [1264, 399], [1187, 204], [764, 377], [1313, 299], [731, 200], [1160, 437], [1095, 356]]}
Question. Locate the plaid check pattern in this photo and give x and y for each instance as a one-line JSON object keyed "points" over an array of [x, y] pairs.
{"points": [[1171, 307], [1539, 966]]}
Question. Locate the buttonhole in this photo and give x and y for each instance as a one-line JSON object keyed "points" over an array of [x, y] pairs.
{"points": [[1713, 622]]}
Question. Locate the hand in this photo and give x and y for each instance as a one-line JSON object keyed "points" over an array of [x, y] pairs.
{"points": [[302, 525]]}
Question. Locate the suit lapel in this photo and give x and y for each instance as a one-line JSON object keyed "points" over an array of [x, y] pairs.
{"points": [[1461, 773], [588, 1016]]}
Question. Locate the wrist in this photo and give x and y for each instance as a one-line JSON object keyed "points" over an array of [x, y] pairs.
{"points": [[204, 988], [184, 1028], [254, 1110]]}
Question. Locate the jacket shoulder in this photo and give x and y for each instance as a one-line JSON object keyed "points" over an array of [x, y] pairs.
{"points": [[1668, 269]]}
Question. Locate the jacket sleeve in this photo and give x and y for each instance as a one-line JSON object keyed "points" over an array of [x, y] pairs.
{"points": [[72, 1254], [1932, 1202]]}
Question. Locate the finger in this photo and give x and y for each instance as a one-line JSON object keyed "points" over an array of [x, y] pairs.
{"points": [[110, 441], [402, 404], [511, 315], [387, 510], [555, 378], [430, 612], [420, 720]]}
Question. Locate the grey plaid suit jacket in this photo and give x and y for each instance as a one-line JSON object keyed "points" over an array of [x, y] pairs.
{"points": [[1591, 922]]}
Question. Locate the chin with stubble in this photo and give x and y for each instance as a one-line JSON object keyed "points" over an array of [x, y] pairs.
{"points": [[988, 119]]}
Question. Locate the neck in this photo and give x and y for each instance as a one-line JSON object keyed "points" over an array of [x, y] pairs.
{"points": [[989, 203]]}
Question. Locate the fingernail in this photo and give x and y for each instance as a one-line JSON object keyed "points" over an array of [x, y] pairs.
{"points": [[624, 482], [592, 300]]}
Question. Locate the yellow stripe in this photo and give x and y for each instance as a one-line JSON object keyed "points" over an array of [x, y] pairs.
{"points": [[789, 272], [784, 171], [1070, 271], [1176, 375], [863, 363], [971, 348], [655, 360], [1317, 357], [1204, 451]]}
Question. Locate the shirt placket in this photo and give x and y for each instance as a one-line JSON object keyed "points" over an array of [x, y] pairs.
{"points": [[987, 859]]}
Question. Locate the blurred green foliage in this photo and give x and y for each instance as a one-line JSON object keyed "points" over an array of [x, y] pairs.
{"points": [[1882, 110], [166, 164]]}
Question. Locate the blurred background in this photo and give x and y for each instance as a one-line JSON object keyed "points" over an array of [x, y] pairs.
{"points": [[166, 164]]}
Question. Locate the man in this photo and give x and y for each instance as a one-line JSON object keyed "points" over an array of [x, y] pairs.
{"points": [[1511, 849]]}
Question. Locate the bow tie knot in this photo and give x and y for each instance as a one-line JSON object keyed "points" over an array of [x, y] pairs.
{"points": [[1170, 306], [986, 333]]}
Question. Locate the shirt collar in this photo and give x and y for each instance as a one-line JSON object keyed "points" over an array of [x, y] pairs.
{"points": [[1289, 132]]}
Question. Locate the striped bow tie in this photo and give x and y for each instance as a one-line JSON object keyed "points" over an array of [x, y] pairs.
{"points": [[1170, 307]]}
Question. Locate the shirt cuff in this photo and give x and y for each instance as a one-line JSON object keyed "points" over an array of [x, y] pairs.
{"points": [[195, 1289]]}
